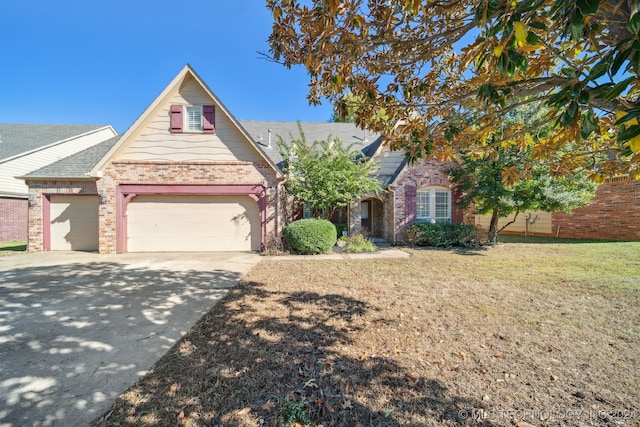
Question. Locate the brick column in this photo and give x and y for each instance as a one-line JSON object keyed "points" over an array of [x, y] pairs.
{"points": [[354, 217]]}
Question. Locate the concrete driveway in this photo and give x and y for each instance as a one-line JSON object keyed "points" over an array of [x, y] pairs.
{"points": [[77, 329]]}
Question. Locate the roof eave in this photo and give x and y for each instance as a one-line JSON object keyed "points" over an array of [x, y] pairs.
{"points": [[55, 143], [57, 178]]}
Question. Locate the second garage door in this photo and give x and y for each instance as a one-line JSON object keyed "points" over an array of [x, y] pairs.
{"points": [[167, 223], [74, 223]]}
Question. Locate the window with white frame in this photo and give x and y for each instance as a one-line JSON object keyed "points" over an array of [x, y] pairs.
{"points": [[307, 211], [193, 119], [433, 204]]}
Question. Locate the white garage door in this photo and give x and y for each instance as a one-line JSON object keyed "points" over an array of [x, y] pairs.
{"points": [[157, 223], [74, 223]]}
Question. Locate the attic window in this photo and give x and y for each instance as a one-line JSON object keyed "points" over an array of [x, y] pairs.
{"points": [[193, 119]]}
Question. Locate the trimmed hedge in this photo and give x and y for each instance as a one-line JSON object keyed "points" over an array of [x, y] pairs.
{"points": [[443, 235], [310, 236]]}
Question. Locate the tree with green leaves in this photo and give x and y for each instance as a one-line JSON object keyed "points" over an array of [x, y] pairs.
{"points": [[416, 66], [345, 112], [509, 180], [325, 175], [483, 187]]}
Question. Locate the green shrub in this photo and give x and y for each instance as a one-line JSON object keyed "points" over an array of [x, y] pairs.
{"points": [[358, 243], [443, 235], [340, 229], [310, 236]]}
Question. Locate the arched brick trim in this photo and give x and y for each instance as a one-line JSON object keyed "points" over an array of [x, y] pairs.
{"points": [[126, 192]]}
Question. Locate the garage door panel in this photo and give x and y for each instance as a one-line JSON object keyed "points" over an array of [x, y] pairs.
{"points": [[74, 223], [158, 223]]}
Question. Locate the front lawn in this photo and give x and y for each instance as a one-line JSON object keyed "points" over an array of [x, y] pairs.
{"points": [[546, 334], [11, 247]]}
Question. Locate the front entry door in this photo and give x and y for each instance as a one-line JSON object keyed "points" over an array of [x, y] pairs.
{"points": [[365, 215]]}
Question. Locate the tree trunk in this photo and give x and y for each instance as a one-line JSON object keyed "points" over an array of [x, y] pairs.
{"points": [[493, 227]]}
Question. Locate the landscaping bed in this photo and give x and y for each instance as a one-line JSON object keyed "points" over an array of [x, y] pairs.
{"points": [[517, 334]]}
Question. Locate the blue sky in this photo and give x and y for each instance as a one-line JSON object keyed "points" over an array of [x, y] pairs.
{"points": [[71, 61]]}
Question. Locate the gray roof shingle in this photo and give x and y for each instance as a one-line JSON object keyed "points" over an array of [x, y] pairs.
{"points": [[77, 165], [347, 133], [21, 138]]}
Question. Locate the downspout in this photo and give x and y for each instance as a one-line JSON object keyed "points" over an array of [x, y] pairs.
{"points": [[393, 214]]}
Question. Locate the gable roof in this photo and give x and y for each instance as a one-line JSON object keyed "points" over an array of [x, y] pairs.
{"points": [[347, 133], [161, 100], [76, 166], [22, 139], [370, 144]]}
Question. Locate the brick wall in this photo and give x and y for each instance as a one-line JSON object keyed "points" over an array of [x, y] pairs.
{"points": [[424, 173], [613, 214], [13, 219], [149, 173], [192, 173]]}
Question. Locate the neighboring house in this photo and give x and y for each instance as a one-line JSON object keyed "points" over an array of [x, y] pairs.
{"points": [[613, 214], [27, 147], [188, 176]]}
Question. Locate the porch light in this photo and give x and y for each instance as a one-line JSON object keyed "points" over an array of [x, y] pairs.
{"points": [[31, 198], [102, 196]]}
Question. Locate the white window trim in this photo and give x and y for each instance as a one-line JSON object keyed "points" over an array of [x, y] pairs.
{"points": [[431, 194], [186, 127], [307, 211]]}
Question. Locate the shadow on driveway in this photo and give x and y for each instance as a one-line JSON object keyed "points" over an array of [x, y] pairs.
{"points": [[75, 335]]}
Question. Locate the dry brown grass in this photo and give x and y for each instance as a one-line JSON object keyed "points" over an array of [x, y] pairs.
{"points": [[545, 334]]}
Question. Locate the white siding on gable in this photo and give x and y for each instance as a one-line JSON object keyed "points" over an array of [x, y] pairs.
{"points": [[20, 166], [157, 143]]}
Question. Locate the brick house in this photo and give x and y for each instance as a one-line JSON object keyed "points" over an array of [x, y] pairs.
{"points": [[420, 191], [27, 147], [188, 176], [613, 214], [184, 177]]}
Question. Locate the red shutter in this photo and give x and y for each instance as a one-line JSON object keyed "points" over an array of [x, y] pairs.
{"points": [[457, 214], [176, 118], [208, 118], [410, 203]]}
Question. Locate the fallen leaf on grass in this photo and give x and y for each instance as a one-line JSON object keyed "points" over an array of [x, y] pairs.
{"points": [[498, 355], [520, 423], [311, 383], [329, 408], [244, 411], [268, 406], [173, 389]]}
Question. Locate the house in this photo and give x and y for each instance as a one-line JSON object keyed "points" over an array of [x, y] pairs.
{"points": [[613, 214], [420, 191], [27, 147], [184, 177], [188, 176]]}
